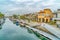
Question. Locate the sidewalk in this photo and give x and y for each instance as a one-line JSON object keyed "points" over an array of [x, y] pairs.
{"points": [[44, 33], [53, 30]]}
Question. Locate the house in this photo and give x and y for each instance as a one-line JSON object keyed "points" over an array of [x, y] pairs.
{"points": [[57, 18], [45, 15], [54, 15], [58, 13], [31, 16]]}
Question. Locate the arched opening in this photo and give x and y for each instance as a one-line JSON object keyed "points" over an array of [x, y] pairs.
{"points": [[46, 20], [42, 19]]}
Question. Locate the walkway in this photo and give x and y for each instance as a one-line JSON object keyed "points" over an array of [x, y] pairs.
{"points": [[53, 30], [44, 33]]}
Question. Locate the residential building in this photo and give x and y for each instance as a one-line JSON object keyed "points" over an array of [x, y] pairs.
{"points": [[54, 15], [58, 13], [57, 18], [45, 15]]}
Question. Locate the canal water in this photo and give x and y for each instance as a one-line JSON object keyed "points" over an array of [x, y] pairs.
{"points": [[10, 31]]}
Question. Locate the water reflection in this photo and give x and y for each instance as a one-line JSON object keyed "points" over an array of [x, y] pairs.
{"points": [[30, 31], [2, 21], [16, 22], [12, 32], [58, 25], [0, 26]]}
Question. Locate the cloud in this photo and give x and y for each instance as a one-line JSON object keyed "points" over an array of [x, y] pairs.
{"points": [[47, 3], [15, 9], [20, 0], [32, 6], [26, 0], [28, 6]]}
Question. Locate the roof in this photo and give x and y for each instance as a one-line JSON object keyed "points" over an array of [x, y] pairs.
{"points": [[47, 10], [41, 11]]}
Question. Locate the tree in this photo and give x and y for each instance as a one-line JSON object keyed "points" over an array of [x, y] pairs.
{"points": [[1, 15], [15, 16], [22, 17]]}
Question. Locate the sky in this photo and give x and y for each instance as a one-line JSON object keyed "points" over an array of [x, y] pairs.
{"points": [[9, 7]]}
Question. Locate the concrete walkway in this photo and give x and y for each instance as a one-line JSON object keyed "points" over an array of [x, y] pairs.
{"points": [[44, 33], [53, 30]]}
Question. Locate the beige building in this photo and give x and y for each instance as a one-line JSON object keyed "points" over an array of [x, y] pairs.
{"points": [[45, 15]]}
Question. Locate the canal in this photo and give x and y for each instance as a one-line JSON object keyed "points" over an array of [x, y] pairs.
{"points": [[10, 31]]}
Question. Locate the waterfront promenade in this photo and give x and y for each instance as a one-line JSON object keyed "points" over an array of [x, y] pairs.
{"points": [[53, 30], [44, 33]]}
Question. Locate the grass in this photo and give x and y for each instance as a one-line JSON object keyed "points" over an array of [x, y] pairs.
{"points": [[52, 23]]}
